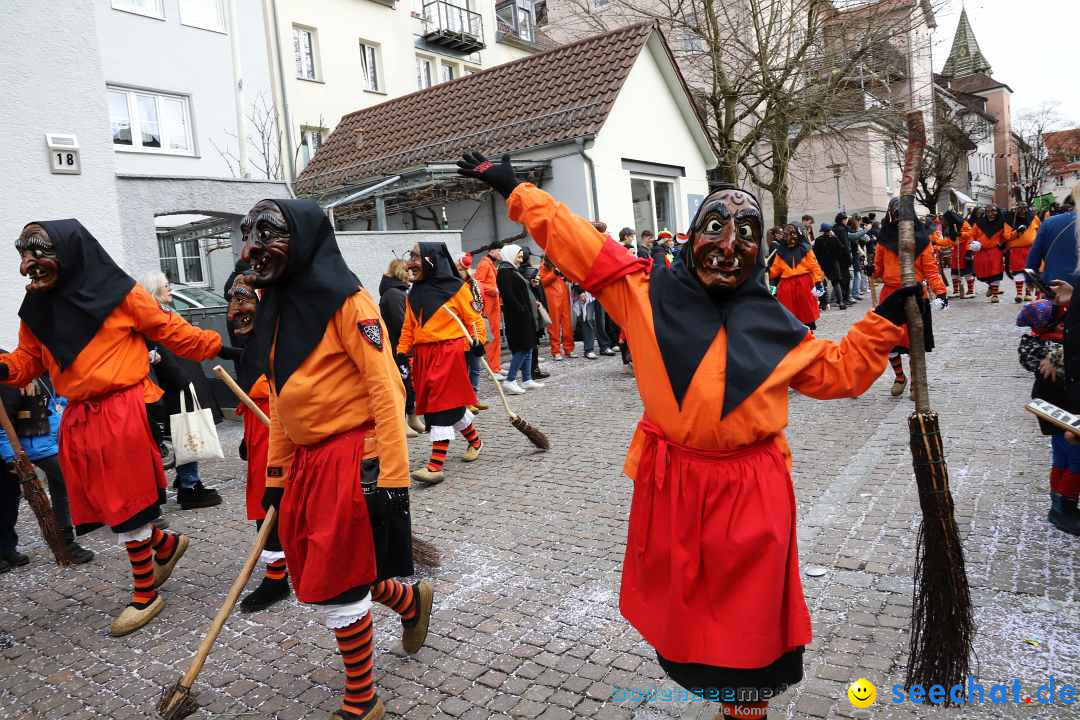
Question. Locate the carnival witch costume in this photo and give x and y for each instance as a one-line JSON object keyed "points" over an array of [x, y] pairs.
{"points": [[333, 382], [437, 345], [710, 577], [86, 323], [798, 277]]}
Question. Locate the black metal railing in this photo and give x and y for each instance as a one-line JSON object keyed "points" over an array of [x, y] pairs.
{"points": [[457, 27]]}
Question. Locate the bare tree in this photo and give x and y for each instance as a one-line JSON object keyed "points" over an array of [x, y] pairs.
{"points": [[264, 141], [769, 74], [1037, 159]]}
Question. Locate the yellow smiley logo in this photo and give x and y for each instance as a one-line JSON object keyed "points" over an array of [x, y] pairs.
{"points": [[862, 693]]}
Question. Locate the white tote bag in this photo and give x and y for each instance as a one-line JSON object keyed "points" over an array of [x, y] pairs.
{"points": [[194, 434]]}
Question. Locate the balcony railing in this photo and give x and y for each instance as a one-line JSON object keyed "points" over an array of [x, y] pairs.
{"points": [[516, 20], [453, 27]]}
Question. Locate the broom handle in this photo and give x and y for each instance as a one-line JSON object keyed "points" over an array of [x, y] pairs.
{"points": [[13, 437], [494, 379], [242, 396], [230, 601], [916, 132]]}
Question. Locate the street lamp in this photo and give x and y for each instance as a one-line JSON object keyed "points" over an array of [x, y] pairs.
{"points": [[837, 171]]}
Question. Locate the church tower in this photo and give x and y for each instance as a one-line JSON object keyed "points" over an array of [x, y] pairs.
{"points": [[965, 58]]}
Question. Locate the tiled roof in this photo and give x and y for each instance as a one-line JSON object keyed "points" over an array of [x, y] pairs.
{"points": [[979, 82], [965, 58], [1062, 146], [549, 98]]}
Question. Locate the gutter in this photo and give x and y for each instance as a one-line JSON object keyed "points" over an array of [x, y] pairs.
{"points": [[580, 142], [273, 46]]}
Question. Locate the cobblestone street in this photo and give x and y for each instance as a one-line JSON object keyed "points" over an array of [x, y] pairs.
{"points": [[526, 620]]}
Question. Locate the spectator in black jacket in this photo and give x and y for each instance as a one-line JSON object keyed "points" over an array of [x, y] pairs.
{"points": [[393, 291], [843, 255], [827, 252]]}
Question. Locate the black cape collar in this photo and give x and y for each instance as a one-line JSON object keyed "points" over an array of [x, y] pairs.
{"points": [[440, 283], [890, 236], [991, 228], [793, 255], [317, 283], [90, 286], [686, 319]]}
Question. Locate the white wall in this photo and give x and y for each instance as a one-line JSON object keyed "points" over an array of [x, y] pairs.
{"points": [[644, 125], [51, 65], [340, 26], [166, 56]]}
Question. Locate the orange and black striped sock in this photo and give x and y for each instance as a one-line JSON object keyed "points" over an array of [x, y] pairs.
{"points": [[471, 435], [141, 555], [164, 544], [898, 367], [276, 570], [356, 647], [396, 595], [438, 455]]}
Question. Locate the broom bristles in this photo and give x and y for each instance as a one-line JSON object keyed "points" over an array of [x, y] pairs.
{"points": [[536, 437], [425, 553], [176, 702], [39, 502]]}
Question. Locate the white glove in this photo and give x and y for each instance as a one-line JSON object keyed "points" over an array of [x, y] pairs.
{"points": [[816, 293], [975, 246], [939, 304], [155, 357]]}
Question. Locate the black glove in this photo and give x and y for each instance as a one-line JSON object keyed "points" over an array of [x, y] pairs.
{"points": [[500, 176], [892, 307], [230, 353], [478, 349], [4, 372], [243, 450], [272, 497]]}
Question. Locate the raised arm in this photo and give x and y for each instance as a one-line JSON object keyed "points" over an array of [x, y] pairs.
{"points": [[170, 329], [847, 368]]}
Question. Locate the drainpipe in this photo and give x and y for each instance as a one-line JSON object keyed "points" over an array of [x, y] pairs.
{"points": [[238, 90], [580, 142], [273, 46]]}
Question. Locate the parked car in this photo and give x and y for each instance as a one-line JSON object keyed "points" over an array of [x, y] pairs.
{"points": [[186, 297]]}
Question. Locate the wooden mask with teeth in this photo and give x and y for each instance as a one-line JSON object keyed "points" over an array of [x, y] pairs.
{"points": [[39, 260], [266, 243], [726, 240]]}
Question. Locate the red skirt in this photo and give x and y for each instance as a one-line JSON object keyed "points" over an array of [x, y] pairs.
{"points": [[111, 464], [794, 294], [440, 377], [711, 574], [1018, 259], [989, 264], [257, 442], [324, 527]]}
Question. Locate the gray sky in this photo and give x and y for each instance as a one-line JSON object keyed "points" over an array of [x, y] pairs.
{"points": [[1033, 47]]}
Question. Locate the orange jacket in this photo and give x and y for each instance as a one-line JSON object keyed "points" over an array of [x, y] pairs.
{"points": [[1015, 240], [940, 242], [345, 383], [116, 357], [887, 269], [555, 288], [988, 243], [485, 274], [443, 327], [780, 270], [816, 367]]}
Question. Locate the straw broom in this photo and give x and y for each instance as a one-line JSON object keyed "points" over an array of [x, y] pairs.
{"points": [[35, 494], [942, 627], [534, 435]]}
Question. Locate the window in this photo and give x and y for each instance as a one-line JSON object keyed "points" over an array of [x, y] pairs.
{"points": [[654, 204], [369, 60], [449, 71], [304, 47], [423, 72], [205, 14], [150, 121], [600, 3], [311, 139], [516, 17], [150, 8], [183, 259], [1059, 180]]}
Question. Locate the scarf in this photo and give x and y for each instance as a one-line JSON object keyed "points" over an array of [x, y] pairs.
{"points": [[89, 287], [316, 284], [440, 282]]}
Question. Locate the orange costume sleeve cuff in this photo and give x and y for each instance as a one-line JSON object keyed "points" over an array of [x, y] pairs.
{"points": [[613, 263]]}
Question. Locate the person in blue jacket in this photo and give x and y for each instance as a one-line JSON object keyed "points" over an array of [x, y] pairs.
{"points": [[1055, 244], [42, 450]]}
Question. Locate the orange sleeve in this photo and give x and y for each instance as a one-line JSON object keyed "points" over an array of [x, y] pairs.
{"points": [[408, 329], [170, 329], [879, 262], [775, 271], [547, 277], [485, 275], [279, 455], [472, 319], [848, 368], [926, 266], [815, 269], [24, 363], [382, 381]]}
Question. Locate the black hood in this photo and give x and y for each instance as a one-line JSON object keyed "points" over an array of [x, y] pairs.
{"points": [[316, 284], [440, 282], [389, 282], [89, 287], [890, 236]]}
